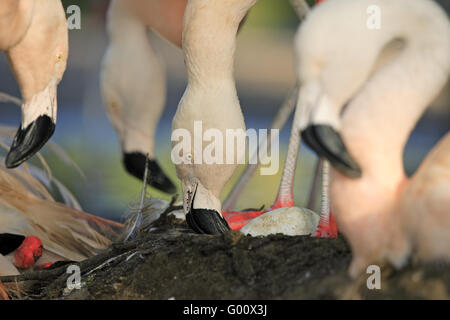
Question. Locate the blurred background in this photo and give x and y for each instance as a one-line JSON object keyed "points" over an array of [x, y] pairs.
{"points": [[264, 76]]}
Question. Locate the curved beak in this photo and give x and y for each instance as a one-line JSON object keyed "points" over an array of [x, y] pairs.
{"points": [[207, 221], [134, 163], [202, 220], [37, 126], [10, 242], [30, 140], [328, 143], [318, 117]]}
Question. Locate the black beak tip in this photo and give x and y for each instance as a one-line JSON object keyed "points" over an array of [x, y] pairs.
{"points": [[207, 221], [10, 242], [328, 143], [30, 140], [134, 163]]}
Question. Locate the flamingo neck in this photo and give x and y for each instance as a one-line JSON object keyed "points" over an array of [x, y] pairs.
{"points": [[379, 118], [209, 36], [124, 27]]}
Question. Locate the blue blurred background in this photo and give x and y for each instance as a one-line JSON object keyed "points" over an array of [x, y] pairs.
{"points": [[264, 75]]}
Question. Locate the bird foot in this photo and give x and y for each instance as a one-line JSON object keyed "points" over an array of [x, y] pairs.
{"points": [[238, 219], [327, 228], [45, 266]]}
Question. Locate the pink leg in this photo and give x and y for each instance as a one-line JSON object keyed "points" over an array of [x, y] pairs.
{"points": [[278, 123], [327, 227], [285, 197], [236, 220]]}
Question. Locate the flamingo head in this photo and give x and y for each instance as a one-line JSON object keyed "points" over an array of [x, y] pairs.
{"points": [[202, 208]]}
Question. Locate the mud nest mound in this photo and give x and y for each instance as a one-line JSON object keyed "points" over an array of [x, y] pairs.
{"points": [[172, 262]]}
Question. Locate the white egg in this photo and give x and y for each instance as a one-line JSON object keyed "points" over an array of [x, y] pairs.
{"points": [[292, 221]]}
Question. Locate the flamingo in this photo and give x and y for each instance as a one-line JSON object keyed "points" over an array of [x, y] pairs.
{"points": [[133, 79], [282, 215], [134, 90], [385, 78], [128, 23], [211, 97], [34, 37]]}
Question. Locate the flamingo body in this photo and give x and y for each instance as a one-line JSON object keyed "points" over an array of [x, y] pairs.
{"points": [[385, 79]]}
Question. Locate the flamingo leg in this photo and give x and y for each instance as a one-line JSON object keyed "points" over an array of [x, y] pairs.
{"points": [[278, 123], [301, 8], [136, 227], [315, 185], [285, 198], [327, 227]]}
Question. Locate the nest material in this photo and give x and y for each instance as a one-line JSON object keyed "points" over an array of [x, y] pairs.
{"points": [[169, 261], [152, 210]]}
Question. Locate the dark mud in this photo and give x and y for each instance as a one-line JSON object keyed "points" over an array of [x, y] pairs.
{"points": [[174, 263]]}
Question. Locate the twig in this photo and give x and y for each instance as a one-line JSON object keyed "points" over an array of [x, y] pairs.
{"points": [[134, 231], [105, 263], [84, 265], [4, 97]]}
